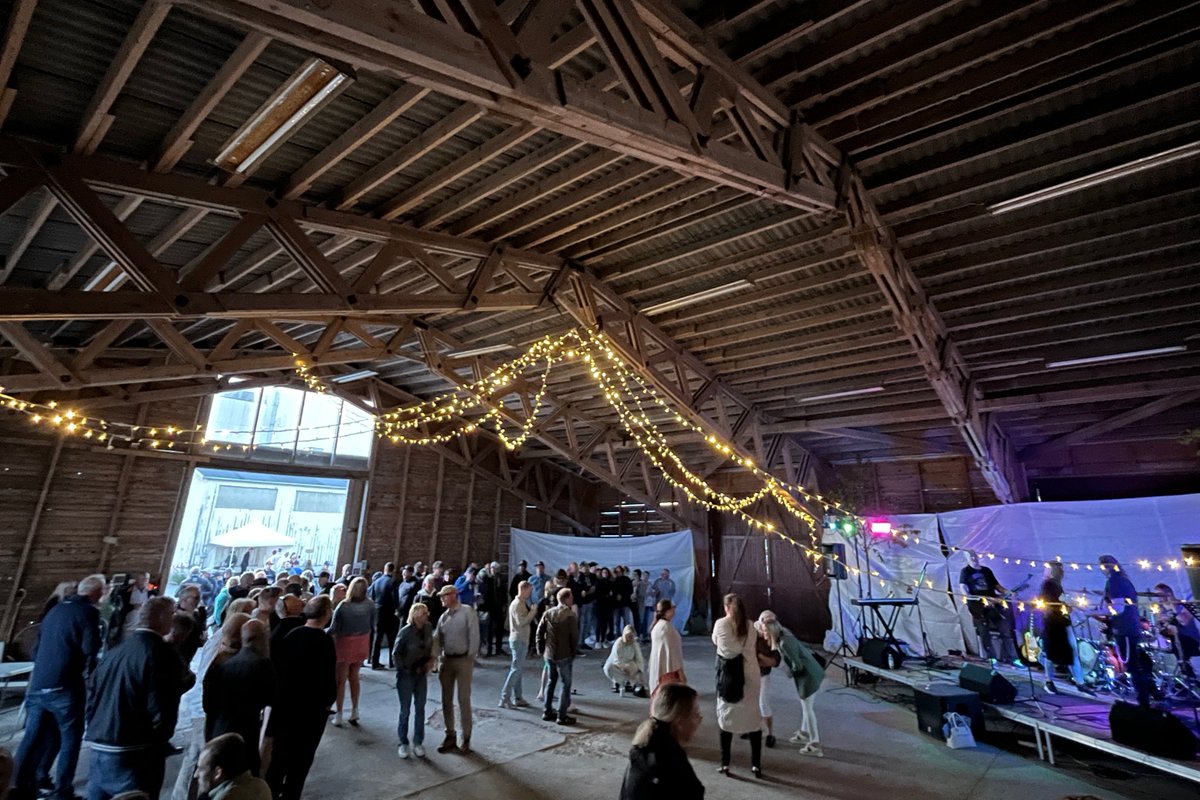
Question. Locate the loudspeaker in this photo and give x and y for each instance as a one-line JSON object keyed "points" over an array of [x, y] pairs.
{"points": [[1152, 731], [938, 699], [834, 561], [992, 687], [880, 653]]}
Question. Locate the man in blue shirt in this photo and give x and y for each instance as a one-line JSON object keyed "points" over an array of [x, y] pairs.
{"points": [[465, 584], [64, 658], [1126, 626]]}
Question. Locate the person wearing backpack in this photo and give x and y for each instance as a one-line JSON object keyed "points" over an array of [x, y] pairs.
{"points": [[737, 683]]}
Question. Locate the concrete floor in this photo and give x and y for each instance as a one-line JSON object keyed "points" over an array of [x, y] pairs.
{"points": [[872, 750]]}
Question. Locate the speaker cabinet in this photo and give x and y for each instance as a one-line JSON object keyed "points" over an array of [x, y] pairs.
{"points": [[880, 653], [992, 686], [1151, 730], [834, 561], [938, 699]]}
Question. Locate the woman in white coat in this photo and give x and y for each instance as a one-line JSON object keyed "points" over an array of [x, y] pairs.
{"points": [[735, 640], [666, 649]]}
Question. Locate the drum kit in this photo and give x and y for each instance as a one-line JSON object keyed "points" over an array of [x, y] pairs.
{"points": [[1174, 677]]}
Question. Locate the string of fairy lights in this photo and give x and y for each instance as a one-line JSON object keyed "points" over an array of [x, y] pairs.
{"points": [[474, 405]]}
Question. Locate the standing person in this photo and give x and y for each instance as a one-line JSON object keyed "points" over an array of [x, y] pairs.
{"points": [[538, 580], [640, 618], [657, 759], [979, 584], [583, 592], [347, 576], [223, 772], [223, 599], [353, 624], [384, 593], [623, 603], [558, 639], [456, 641], [406, 593], [133, 707], [1121, 598], [290, 609], [625, 666], [493, 606], [189, 604], [666, 649], [413, 657], [766, 652], [432, 600], [1058, 640], [308, 683], [520, 616], [737, 683], [604, 607], [522, 574], [64, 658], [806, 672], [649, 605], [465, 584], [663, 587], [221, 645], [238, 689]]}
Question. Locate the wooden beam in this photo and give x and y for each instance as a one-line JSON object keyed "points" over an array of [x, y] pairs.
{"points": [[36, 353], [1115, 422], [33, 225], [96, 118], [14, 35], [475, 68]]}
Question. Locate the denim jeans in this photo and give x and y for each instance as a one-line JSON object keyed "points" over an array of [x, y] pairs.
{"points": [[110, 774], [50, 712], [512, 689], [647, 621], [411, 688], [587, 621], [622, 616], [559, 668]]}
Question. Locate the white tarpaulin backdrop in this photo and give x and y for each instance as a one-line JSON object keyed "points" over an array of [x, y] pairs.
{"points": [[673, 551], [901, 561], [1131, 529]]}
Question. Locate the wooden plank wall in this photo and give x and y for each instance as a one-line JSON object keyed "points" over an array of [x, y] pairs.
{"points": [[912, 487]]}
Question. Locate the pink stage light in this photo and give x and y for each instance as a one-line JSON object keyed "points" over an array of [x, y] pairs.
{"points": [[880, 527]]}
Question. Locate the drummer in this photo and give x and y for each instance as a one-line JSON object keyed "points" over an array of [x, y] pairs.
{"points": [[1122, 600], [1181, 622], [1058, 640]]}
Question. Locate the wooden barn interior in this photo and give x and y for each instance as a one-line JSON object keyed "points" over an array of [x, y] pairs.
{"points": [[913, 256]]}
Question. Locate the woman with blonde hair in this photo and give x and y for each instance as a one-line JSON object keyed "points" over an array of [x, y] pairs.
{"points": [[737, 683], [666, 649], [413, 657], [658, 764], [807, 673], [351, 629]]}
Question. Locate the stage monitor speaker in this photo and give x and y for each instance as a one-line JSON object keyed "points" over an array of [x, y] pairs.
{"points": [[880, 653], [938, 699], [992, 686], [834, 561], [1151, 730]]}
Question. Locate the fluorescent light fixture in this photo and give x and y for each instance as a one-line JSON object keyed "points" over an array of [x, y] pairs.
{"points": [[836, 395], [1097, 178], [610, 513], [669, 504], [481, 351], [698, 297], [527, 505], [1078, 362], [631, 505], [354, 376], [309, 88]]}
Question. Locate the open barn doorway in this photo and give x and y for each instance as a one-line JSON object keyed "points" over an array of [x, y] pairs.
{"points": [[239, 520]]}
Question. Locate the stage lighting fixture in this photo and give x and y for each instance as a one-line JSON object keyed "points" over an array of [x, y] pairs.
{"points": [[881, 527]]}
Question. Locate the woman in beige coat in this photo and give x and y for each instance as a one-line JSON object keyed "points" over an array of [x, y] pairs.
{"points": [[666, 649], [735, 641]]}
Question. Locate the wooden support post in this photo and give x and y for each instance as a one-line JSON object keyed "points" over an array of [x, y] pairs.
{"points": [[437, 508], [398, 532], [496, 521], [10, 612], [467, 527]]}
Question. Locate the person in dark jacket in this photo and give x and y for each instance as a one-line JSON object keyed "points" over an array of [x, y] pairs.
{"points": [[307, 679], [429, 596], [291, 616], [493, 606], [383, 593], [522, 574], [238, 689], [133, 707], [413, 656], [558, 640], [658, 765], [406, 593], [63, 660]]}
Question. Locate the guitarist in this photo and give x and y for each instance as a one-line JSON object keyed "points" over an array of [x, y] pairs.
{"points": [[984, 593], [1058, 640]]}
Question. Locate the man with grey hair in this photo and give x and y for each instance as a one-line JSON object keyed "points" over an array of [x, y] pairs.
{"points": [[63, 660], [133, 707], [455, 645]]}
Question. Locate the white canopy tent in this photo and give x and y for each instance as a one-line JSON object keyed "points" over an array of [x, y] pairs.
{"points": [[253, 534]]}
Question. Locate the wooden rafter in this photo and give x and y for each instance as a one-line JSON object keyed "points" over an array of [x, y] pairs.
{"points": [[1109, 424]]}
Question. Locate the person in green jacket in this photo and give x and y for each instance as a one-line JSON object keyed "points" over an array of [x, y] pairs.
{"points": [[807, 673]]}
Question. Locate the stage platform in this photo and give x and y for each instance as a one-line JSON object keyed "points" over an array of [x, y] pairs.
{"points": [[1073, 716]]}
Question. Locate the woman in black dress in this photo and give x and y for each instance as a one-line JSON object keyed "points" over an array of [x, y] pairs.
{"points": [[1058, 640]]}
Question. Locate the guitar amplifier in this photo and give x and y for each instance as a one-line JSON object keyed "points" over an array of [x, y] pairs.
{"points": [[938, 699]]}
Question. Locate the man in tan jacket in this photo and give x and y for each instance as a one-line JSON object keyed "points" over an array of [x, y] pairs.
{"points": [[558, 640]]}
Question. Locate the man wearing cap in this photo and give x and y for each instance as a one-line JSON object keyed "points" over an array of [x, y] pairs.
{"points": [[455, 645], [522, 574], [492, 604]]}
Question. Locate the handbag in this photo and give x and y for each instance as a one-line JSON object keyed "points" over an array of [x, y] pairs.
{"points": [[731, 678], [958, 731]]}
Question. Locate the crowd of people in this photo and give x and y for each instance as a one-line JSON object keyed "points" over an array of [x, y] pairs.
{"points": [[198, 675]]}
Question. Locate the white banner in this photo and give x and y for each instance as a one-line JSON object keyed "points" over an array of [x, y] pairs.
{"points": [[673, 551]]}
